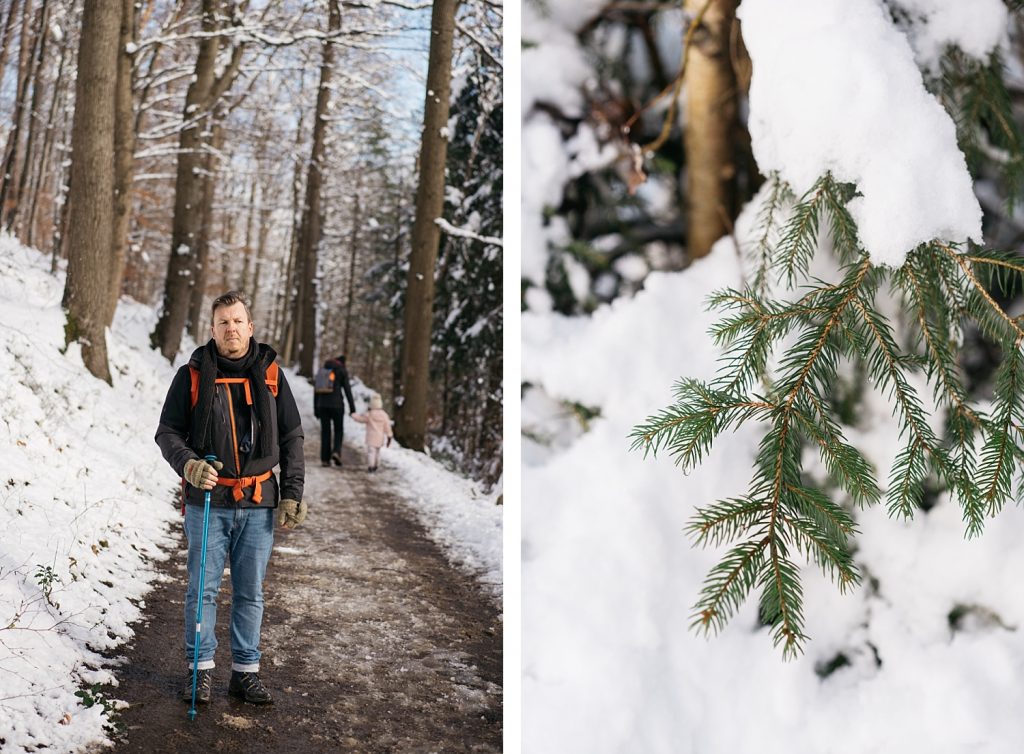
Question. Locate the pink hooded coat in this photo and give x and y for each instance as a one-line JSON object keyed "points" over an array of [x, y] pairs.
{"points": [[378, 426]]}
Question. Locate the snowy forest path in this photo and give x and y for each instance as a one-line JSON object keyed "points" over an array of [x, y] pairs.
{"points": [[372, 641]]}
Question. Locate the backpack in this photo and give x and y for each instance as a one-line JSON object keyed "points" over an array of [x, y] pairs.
{"points": [[323, 383], [271, 378]]}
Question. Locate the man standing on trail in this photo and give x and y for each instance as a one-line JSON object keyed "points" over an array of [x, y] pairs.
{"points": [[231, 401], [329, 392]]}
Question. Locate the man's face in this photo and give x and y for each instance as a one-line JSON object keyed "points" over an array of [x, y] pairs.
{"points": [[232, 329]]}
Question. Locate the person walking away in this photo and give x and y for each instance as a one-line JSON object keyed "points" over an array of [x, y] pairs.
{"points": [[231, 401], [331, 388], [378, 429]]}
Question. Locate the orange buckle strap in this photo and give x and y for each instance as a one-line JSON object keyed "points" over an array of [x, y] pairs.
{"points": [[241, 483]]}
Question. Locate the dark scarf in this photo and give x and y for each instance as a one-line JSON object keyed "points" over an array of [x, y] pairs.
{"points": [[251, 366]]}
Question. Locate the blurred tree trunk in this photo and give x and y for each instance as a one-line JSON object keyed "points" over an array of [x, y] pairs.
{"points": [[310, 229], [261, 247], [354, 253], [711, 123], [34, 122], [124, 151], [204, 91], [57, 94], [411, 417], [5, 40], [92, 185], [10, 169], [211, 160]]}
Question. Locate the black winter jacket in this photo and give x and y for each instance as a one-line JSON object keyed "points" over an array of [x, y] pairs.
{"points": [[229, 438], [335, 399]]}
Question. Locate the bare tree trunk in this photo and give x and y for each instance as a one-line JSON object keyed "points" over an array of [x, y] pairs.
{"points": [[92, 185], [56, 103], [411, 418], [5, 41], [261, 248], [292, 298], [711, 122], [354, 246], [9, 177], [310, 230], [249, 230], [63, 207], [197, 322], [204, 91], [124, 152], [33, 156]]}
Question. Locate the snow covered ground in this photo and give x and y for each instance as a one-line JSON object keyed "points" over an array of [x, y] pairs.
{"points": [[86, 507]]}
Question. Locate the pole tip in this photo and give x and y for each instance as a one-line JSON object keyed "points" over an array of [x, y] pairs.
{"points": [[191, 714]]}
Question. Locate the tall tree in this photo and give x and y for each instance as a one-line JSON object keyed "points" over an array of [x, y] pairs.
{"points": [[92, 185], [206, 88], [12, 152], [311, 226], [353, 256], [124, 149], [411, 417], [712, 106]]}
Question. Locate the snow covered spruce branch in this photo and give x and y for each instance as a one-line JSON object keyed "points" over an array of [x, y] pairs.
{"points": [[780, 367], [449, 229]]}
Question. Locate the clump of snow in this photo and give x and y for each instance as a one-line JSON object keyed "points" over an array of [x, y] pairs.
{"points": [[835, 89], [978, 28]]}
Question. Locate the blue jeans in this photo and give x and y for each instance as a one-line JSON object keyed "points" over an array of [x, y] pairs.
{"points": [[246, 536]]}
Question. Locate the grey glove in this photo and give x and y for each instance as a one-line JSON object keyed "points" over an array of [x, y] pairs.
{"points": [[291, 513], [202, 474]]}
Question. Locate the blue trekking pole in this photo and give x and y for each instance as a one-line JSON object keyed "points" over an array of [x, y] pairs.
{"points": [[199, 599]]}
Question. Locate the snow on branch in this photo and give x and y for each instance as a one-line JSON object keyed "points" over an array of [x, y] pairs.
{"points": [[451, 230], [465, 31]]}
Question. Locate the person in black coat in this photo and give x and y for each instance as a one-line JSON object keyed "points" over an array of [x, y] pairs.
{"points": [[232, 403], [329, 408]]}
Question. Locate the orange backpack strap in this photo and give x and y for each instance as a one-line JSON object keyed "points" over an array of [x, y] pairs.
{"points": [[271, 377], [194, 375]]}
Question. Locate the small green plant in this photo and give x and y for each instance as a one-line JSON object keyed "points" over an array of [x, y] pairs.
{"points": [[94, 695], [45, 577]]}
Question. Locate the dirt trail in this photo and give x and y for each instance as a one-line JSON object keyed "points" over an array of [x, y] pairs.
{"points": [[372, 641]]}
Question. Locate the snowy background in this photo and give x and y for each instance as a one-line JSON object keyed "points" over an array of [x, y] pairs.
{"points": [[928, 654], [87, 505]]}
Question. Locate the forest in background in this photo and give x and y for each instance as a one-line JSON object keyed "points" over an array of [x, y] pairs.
{"points": [[275, 148]]}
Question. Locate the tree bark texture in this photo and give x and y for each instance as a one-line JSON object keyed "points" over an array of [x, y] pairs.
{"points": [[411, 416], [711, 123], [92, 185], [311, 227]]}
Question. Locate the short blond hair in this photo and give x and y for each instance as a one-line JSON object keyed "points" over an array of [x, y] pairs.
{"points": [[229, 299]]}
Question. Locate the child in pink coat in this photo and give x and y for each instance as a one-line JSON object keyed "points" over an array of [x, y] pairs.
{"points": [[378, 428]]}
